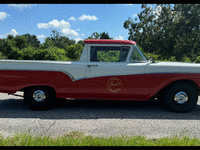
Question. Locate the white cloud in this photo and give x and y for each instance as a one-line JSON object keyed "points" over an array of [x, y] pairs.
{"points": [[78, 39], [78, 29], [42, 25], [12, 32], [63, 25], [22, 6], [69, 32], [41, 36], [119, 38], [3, 15], [72, 18], [82, 34], [54, 24], [85, 17]]}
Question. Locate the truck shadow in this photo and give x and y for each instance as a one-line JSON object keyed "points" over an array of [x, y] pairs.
{"points": [[95, 109]]}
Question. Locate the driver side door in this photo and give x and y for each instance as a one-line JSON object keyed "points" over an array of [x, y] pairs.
{"points": [[110, 76]]}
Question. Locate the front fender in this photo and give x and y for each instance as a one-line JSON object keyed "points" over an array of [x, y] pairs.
{"points": [[156, 82]]}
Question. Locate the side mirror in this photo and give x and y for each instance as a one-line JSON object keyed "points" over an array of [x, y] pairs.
{"points": [[151, 59]]}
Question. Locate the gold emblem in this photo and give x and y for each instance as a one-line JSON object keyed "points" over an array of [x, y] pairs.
{"points": [[114, 85]]}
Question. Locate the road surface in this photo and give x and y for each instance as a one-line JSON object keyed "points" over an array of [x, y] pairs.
{"points": [[97, 118]]}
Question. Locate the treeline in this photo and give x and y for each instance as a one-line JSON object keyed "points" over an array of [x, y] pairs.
{"points": [[55, 47], [167, 33], [28, 47]]}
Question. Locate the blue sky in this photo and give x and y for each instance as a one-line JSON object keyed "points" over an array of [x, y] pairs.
{"points": [[76, 21]]}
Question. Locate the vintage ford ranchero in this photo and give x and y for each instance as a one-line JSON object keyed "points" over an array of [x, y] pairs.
{"points": [[107, 69]]}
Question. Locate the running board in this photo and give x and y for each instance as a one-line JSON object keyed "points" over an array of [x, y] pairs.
{"points": [[15, 95]]}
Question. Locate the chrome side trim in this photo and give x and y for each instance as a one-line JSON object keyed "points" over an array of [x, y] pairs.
{"points": [[65, 72]]}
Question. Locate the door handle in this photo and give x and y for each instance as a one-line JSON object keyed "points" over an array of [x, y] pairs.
{"points": [[91, 65]]}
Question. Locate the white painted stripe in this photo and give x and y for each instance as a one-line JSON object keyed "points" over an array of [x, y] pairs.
{"points": [[77, 70]]}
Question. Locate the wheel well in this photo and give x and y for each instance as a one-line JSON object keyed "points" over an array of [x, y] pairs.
{"points": [[26, 88], [160, 93]]}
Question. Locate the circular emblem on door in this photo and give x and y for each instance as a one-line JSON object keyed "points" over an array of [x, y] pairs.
{"points": [[114, 85]]}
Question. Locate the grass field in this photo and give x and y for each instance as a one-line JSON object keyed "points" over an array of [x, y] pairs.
{"points": [[79, 139]]}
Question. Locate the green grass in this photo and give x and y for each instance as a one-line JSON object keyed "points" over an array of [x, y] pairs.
{"points": [[79, 139]]}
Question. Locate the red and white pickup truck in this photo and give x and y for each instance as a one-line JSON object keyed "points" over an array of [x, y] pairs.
{"points": [[107, 69]]}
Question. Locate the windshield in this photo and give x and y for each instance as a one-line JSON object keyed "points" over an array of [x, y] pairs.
{"points": [[137, 55]]}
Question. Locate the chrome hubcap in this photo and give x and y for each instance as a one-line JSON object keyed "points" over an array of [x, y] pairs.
{"points": [[39, 96], [181, 97]]}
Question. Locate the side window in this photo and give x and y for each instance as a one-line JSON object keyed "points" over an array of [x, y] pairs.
{"points": [[108, 53]]}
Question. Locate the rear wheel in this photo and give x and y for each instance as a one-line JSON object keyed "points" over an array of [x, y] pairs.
{"points": [[39, 98], [180, 97]]}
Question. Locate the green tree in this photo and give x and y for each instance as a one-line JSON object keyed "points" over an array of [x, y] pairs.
{"points": [[1, 45], [61, 53], [16, 53], [10, 37], [32, 40], [55, 40], [2, 49], [102, 35], [21, 41], [110, 56], [47, 43], [8, 47], [81, 42], [55, 36], [167, 31], [53, 53], [2, 56], [74, 51], [28, 53], [94, 35], [188, 31], [64, 41]]}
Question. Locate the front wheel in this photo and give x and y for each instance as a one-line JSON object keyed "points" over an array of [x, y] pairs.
{"points": [[180, 97], [39, 98]]}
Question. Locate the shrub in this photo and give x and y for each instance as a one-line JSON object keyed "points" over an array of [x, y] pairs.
{"points": [[173, 58], [152, 55], [185, 59], [197, 60], [74, 51], [28, 53], [2, 56], [16, 54], [53, 53]]}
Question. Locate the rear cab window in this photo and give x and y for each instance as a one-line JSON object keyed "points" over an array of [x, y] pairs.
{"points": [[109, 53]]}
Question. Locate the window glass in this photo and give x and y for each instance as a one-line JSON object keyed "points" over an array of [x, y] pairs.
{"points": [[137, 55], [108, 53], [124, 54]]}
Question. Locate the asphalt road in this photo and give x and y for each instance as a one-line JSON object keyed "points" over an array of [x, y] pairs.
{"points": [[97, 118]]}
